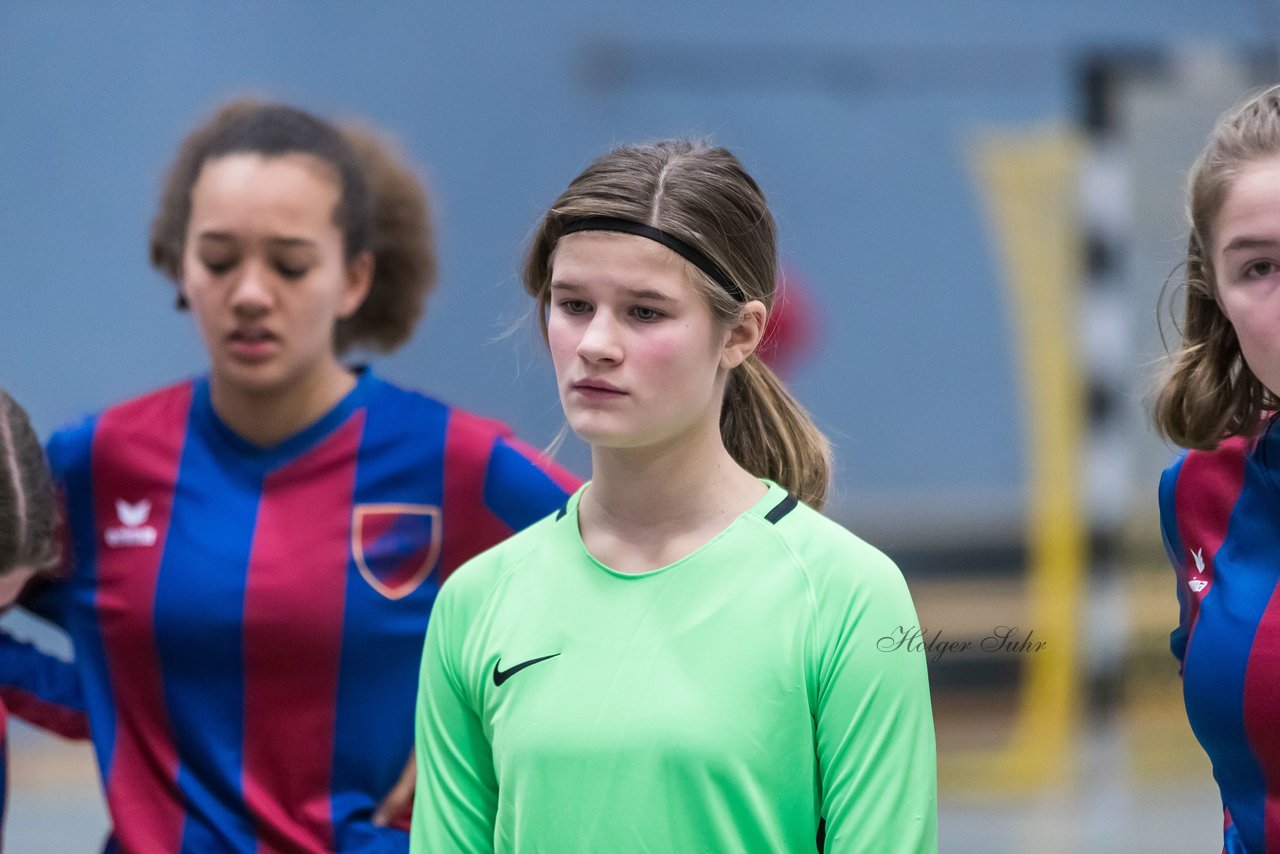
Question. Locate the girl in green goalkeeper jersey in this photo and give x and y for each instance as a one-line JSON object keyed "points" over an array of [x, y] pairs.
{"points": [[685, 657]]}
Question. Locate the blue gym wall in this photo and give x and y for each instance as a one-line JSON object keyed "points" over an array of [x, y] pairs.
{"points": [[854, 116]]}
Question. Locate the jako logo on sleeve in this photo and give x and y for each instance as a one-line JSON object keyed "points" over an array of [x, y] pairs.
{"points": [[133, 530]]}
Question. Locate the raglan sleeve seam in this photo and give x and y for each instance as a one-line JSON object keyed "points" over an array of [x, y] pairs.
{"points": [[901, 756], [811, 635]]}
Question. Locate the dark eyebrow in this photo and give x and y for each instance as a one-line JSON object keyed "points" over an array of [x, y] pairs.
{"points": [[634, 293], [286, 242], [291, 242], [1242, 243], [647, 294]]}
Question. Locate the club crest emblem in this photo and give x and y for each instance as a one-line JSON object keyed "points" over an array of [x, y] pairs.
{"points": [[395, 545]]}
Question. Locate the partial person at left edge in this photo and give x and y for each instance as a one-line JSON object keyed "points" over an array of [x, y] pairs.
{"points": [[41, 689], [255, 552]]}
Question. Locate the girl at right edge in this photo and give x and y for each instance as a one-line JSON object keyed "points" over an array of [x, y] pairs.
{"points": [[684, 658], [1219, 505]]}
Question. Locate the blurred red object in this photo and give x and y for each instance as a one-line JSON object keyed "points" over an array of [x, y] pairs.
{"points": [[791, 332]]}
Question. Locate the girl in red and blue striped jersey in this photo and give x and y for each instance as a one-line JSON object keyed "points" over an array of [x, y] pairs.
{"points": [[255, 552], [1219, 504]]}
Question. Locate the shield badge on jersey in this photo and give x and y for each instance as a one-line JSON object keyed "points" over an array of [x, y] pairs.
{"points": [[395, 545]]}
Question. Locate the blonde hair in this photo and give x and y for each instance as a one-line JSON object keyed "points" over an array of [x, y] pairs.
{"points": [[1209, 393], [702, 195]]}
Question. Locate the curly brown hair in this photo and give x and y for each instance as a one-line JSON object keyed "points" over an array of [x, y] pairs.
{"points": [[382, 208], [1209, 393]]}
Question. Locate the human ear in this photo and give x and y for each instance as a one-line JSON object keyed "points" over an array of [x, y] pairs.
{"points": [[11, 583], [359, 281], [179, 282], [744, 336]]}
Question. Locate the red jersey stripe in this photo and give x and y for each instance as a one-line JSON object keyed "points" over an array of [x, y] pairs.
{"points": [[468, 444], [292, 644], [1206, 493], [68, 723], [1261, 700], [133, 503]]}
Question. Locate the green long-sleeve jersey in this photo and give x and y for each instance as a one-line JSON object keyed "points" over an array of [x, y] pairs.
{"points": [[726, 702]]}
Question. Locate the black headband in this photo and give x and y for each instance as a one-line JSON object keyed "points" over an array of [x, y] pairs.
{"points": [[689, 253]]}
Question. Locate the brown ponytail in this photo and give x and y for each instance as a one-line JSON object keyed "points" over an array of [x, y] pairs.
{"points": [[771, 435]]}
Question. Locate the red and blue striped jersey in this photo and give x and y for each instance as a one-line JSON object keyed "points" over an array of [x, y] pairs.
{"points": [[41, 689], [1220, 521], [248, 622]]}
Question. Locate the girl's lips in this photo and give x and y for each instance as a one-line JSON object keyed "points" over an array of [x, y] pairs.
{"points": [[253, 346], [597, 390]]}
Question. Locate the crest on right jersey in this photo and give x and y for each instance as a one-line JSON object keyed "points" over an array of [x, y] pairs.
{"points": [[395, 546]]}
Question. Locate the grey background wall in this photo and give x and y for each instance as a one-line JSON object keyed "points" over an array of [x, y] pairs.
{"points": [[854, 116]]}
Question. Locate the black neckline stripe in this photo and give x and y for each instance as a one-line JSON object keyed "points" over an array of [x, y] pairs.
{"points": [[784, 507], [563, 510]]}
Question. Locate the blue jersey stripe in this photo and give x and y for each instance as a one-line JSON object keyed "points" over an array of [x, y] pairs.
{"points": [[42, 689], [196, 579], [73, 605], [1214, 675], [516, 490], [400, 462], [1173, 548]]}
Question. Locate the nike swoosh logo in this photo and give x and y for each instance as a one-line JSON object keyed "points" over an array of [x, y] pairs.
{"points": [[500, 676]]}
